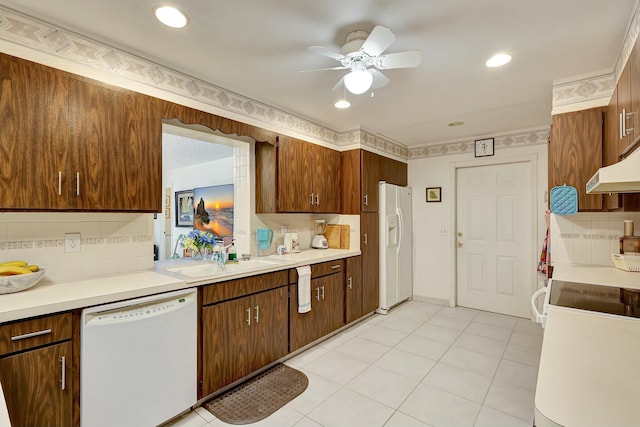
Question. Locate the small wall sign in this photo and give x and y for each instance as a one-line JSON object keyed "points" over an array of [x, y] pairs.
{"points": [[434, 194], [484, 147]]}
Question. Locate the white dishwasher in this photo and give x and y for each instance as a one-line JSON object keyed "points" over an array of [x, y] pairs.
{"points": [[138, 360]]}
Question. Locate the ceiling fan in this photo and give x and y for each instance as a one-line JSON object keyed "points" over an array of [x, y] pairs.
{"points": [[362, 54]]}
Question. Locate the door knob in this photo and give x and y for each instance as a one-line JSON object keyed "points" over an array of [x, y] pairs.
{"points": [[460, 244]]}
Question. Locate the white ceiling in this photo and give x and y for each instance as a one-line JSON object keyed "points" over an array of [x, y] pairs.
{"points": [[257, 49]]}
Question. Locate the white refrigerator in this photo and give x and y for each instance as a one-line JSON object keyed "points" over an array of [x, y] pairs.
{"points": [[396, 245]]}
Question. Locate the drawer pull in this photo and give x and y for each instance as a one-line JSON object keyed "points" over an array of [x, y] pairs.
{"points": [[31, 335], [63, 376], [333, 267]]}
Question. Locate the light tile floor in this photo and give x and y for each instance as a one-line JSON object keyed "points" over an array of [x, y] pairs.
{"points": [[420, 365]]}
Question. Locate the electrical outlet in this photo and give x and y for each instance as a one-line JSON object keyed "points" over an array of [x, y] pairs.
{"points": [[72, 242], [443, 232]]}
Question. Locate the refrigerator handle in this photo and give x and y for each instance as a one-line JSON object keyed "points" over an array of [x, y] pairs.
{"points": [[400, 228]]}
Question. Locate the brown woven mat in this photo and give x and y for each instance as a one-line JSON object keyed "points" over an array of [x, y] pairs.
{"points": [[258, 397]]}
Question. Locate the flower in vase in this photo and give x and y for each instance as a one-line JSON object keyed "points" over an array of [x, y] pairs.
{"points": [[196, 241]]}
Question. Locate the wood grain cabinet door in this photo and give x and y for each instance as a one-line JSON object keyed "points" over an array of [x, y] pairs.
{"points": [[326, 179], [370, 262], [575, 153], [33, 135], [370, 172], [225, 343], [331, 302], [116, 139], [269, 335], [353, 289], [37, 386], [303, 327], [294, 179]]}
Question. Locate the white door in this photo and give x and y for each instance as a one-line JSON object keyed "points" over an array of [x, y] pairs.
{"points": [[493, 238]]}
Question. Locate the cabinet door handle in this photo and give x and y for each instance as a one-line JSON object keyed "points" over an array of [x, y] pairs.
{"points": [[63, 373], [317, 199], [621, 124], [249, 316], [317, 293], [350, 280], [31, 335], [77, 183], [59, 183], [627, 130], [257, 314], [322, 287], [366, 200], [365, 238], [311, 203]]}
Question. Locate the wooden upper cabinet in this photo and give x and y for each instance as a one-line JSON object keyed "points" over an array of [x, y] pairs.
{"points": [[326, 179], [350, 193], [371, 173], [625, 112], [575, 153], [610, 150], [297, 176], [76, 144], [33, 135], [117, 143]]}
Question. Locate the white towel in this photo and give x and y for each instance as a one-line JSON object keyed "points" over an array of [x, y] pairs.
{"points": [[304, 289]]}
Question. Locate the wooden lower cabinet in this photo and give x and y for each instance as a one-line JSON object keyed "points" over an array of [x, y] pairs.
{"points": [[241, 336], [326, 315], [370, 262], [37, 386], [353, 289]]}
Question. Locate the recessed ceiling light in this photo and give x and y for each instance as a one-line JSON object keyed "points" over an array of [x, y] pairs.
{"points": [[452, 124], [343, 103], [498, 60], [170, 16]]}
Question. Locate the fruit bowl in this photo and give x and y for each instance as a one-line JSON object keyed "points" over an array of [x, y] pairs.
{"points": [[19, 282]]}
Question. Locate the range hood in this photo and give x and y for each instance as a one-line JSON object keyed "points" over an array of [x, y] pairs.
{"points": [[621, 177]]}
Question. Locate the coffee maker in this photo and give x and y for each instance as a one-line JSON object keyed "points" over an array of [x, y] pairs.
{"points": [[319, 241]]}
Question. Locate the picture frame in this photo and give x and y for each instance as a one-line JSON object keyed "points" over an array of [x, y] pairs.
{"points": [[184, 208], [434, 194], [214, 209], [484, 147]]}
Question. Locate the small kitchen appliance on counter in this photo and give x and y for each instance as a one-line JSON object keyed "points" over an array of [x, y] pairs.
{"points": [[319, 241], [264, 238]]}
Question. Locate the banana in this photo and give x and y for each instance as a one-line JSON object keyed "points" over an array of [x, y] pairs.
{"points": [[32, 267], [14, 264], [8, 270]]}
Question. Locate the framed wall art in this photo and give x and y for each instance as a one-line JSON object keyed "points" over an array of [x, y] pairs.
{"points": [[434, 194], [213, 209], [184, 208], [484, 147]]}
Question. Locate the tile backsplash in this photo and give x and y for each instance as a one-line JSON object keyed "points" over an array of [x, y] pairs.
{"points": [[110, 243], [588, 238]]}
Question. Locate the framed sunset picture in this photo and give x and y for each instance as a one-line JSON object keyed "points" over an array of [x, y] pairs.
{"points": [[213, 209]]}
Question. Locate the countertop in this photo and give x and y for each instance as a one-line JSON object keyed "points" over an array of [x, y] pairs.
{"points": [[597, 275], [48, 298], [588, 375]]}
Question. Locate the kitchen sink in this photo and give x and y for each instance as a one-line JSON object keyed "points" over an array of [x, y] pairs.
{"points": [[212, 268]]}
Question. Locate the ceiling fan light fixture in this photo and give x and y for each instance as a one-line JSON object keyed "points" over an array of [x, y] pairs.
{"points": [[498, 60], [358, 81], [170, 16]]}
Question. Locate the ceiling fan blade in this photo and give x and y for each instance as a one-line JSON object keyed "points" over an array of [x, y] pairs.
{"points": [[339, 84], [378, 41], [326, 52], [379, 79], [408, 59], [323, 69]]}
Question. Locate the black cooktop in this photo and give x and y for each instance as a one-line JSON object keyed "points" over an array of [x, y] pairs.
{"points": [[598, 298]]}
